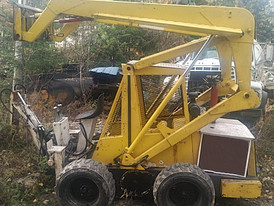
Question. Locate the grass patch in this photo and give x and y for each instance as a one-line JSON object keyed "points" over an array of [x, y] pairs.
{"points": [[25, 178]]}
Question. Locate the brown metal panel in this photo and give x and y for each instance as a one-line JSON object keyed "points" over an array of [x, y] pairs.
{"points": [[223, 154]]}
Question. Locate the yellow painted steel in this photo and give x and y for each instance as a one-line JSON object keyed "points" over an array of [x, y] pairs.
{"points": [[239, 101], [252, 162], [17, 22], [66, 29], [225, 59], [185, 151], [137, 117], [156, 70], [241, 188], [136, 137], [164, 130], [109, 147], [177, 18]]}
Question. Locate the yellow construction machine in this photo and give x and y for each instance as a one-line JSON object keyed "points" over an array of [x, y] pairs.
{"points": [[156, 130]]}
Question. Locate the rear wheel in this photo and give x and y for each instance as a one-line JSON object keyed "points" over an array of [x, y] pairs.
{"points": [[183, 184], [85, 182]]}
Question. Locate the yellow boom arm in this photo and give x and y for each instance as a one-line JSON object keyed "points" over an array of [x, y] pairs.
{"points": [[194, 20]]}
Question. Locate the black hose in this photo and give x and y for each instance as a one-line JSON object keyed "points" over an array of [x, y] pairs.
{"points": [[20, 85], [83, 152], [73, 153], [47, 138], [43, 140], [1, 100], [83, 129]]}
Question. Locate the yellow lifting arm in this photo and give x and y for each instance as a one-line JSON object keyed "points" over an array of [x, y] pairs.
{"points": [[200, 21]]}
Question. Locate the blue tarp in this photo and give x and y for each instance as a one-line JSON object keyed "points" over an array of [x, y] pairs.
{"points": [[106, 70]]}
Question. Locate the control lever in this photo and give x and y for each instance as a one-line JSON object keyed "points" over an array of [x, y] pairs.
{"points": [[58, 112]]}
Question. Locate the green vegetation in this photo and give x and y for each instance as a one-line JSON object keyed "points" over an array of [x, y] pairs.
{"points": [[25, 178], [263, 12]]}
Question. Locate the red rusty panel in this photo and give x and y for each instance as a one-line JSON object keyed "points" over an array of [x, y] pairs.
{"points": [[224, 154]]}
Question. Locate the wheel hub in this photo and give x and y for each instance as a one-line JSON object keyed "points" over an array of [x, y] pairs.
{"points": [[184, 192], [84, 190]]}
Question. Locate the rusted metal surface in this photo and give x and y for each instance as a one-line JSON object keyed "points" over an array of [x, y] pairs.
{"points": [[66, 86]]}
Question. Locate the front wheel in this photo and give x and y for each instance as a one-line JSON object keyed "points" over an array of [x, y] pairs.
{"points": [[184, 185], [85, 182]]}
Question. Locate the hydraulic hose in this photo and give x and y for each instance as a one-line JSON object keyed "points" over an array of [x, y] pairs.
{"points": [[1, 99]]}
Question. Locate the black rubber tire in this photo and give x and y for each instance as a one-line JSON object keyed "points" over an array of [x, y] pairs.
{"points": [[184, 185], [85, 182]]}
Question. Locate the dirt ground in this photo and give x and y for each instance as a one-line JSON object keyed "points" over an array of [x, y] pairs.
{"points": [[26, 179]]}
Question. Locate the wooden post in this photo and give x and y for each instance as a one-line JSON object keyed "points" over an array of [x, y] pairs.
{"points": [[18, 69]]}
